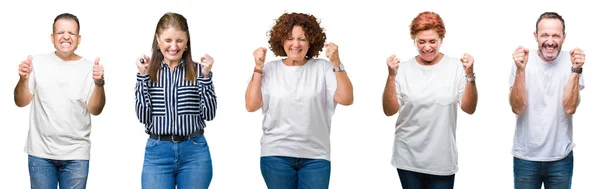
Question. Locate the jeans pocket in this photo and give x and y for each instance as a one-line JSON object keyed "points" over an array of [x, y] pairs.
{"points": [[199, 140], [151, 143]]}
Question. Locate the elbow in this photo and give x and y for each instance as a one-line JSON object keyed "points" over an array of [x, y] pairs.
{"points": [[517, 111], [20, 104], [388, 113], [95, 112], [347, 102], [251, 108]]}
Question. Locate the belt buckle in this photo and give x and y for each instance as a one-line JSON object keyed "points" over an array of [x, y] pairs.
{"points": [[173, 138]]}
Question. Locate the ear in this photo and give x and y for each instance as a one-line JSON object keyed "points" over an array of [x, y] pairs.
{"points": [[78, 39], [52, 38]]}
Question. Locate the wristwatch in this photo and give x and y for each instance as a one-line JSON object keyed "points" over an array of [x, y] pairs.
{"points": [[579, 71], [340, 68], [470, 78]]}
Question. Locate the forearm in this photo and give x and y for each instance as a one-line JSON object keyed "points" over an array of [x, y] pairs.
{"points": [[208, 98], [97, 100], [344, 94], [571, 94], [22, 95], [518, 93], [390, 98], [254, 93], [469, 98]]}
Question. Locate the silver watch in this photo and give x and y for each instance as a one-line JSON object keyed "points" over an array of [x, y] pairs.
{"points": [[339, 68], [471, 79]]}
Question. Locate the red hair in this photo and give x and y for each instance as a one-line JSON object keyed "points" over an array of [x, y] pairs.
{"points": [[427, 21]]}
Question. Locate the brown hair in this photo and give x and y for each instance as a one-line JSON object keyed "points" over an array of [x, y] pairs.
{"points": [[283, 28], [427, 21], [66, 16], [167, 21], [550, 15]]}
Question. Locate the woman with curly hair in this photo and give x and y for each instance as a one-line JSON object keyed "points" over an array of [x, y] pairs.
{"points": [[298, 95], [425, 91]]}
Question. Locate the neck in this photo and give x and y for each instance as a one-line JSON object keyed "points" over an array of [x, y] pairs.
{"points": [[172, 64], [292, 62], [547, 60], [67, 57], [435, 60]]}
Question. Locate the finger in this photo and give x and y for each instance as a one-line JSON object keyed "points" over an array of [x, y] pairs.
{"points": [[97, 61], [29, 59]]}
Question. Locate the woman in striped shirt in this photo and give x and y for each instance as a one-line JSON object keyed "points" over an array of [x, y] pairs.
{"points": [[174, 98]]}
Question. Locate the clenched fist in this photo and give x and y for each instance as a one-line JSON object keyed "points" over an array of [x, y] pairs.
{"points": [[577, 58], [520, 57], [259, 57], [142, 63], [393, 64], [207, 62], [331, 51], [467, 62]]}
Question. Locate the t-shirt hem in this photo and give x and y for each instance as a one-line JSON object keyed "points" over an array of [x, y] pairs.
{"points": [[545, 159], [55, 157], [425, 171], [296, 156]]}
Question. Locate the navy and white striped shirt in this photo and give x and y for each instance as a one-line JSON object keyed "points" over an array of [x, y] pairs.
{"points": [[174, 106]]}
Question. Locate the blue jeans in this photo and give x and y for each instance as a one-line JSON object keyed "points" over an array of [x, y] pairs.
{"points": [[554, 174], [186, 164], [282, 172], [414, 180], [47, 173]]}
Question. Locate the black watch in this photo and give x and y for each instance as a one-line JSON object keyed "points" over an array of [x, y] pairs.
{"points": [[579, 71]]}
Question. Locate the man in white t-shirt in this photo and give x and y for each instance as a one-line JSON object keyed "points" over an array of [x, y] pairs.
{"points": [[544, 95], [63, 89]]}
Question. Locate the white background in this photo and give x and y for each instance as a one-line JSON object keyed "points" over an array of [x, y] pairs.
{"points": [[367, 33]]}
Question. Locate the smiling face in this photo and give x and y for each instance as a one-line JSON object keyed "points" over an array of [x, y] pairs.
{"points": [[550, 38], [65, 36], [172, 43], [428, 42], [296, 45]]}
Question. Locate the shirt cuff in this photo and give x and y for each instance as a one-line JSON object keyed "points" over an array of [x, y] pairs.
{"points": [[143, 78], [205, 81]]}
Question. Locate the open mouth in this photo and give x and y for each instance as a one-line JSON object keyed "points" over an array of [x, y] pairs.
{"points": [[172, 52], [65, 44]]}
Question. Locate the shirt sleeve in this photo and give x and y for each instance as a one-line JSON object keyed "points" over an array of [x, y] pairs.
{"points": [[31, 81], [513, 73], [208, 98], [461, 82], [330, 85], [142, 99], [264, 86]]}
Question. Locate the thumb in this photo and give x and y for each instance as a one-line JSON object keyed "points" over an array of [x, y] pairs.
{"points": [[97, 61], [572, 51], [29, 58], [526, 50]]}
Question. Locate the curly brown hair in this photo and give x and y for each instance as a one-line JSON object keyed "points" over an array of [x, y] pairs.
{"points": [[427, 21], [283, 28]]}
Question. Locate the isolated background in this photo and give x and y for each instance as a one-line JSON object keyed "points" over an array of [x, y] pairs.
{"points": [[367, 32]]}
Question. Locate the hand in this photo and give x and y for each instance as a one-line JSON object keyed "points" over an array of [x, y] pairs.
{"points": [[142, 67], [98, 72], [207, 62], [25, 68], [393, 64], [577, 58], [467, 62], [331, 51], [520, 57], [259, 57]]}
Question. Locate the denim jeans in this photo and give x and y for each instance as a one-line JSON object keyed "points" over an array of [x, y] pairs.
{"points": [[554, 174], [47, 173], [186, 164], [414, 180], [282, 172]]}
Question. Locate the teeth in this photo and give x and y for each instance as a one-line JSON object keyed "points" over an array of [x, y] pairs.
{"points": [[65, 44]]}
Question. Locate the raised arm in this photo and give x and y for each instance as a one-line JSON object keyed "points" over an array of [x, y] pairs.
{"points": [[390, 98], [518, 92], [253, 92], [344, 94], [22, 94], [571, 94]]}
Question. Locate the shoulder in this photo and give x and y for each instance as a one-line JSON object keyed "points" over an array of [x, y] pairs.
{"points": [[319, 62], [272, 64]]}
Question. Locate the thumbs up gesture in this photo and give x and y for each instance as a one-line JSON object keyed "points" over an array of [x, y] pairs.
{"points": [[207, 62], [25, 68], [98, 73], [520, 57]]}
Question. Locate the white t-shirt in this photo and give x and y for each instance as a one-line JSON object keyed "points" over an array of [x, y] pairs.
{"points": [[425, 139], [297, 105], [544, 131], [59, 122]]}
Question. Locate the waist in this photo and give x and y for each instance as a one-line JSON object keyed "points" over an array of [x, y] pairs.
{"points": [[177, 138]]}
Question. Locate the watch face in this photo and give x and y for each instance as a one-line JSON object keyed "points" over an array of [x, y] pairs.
{"points": [[341, 67]]}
